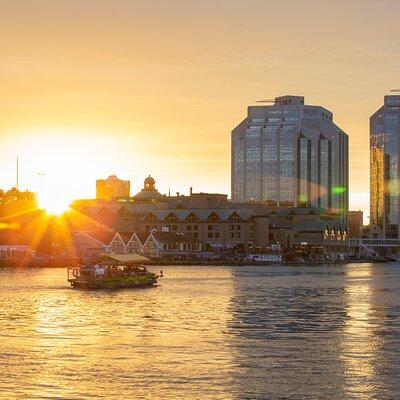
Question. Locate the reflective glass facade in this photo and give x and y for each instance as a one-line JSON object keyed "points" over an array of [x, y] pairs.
{"points": [[304, 168], [270, 164], [325, 175], [290, 154], [384, 168]]}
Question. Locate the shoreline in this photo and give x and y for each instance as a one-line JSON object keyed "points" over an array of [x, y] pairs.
{"points": [[165, 263]]}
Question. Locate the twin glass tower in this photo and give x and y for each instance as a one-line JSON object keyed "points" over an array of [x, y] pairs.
{"points": [[385, 169], [289, 154]]}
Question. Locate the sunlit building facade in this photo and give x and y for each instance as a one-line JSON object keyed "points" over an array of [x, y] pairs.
{"points": [[112, 187], [384, 169], [289, 154]]}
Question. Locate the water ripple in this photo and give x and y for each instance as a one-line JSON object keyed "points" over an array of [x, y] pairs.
{"points": [[206, 332]]}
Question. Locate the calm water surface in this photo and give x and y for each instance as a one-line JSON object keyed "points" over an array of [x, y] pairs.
{"points": [[204, 333]]}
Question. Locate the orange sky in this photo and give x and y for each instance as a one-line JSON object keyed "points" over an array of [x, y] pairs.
{"points": [[92, 88]]}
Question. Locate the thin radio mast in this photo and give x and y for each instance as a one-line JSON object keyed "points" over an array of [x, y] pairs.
{"points": [[17, 173]]}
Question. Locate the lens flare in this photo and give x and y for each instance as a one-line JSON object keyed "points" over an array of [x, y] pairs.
{"points": [[338, 189]]}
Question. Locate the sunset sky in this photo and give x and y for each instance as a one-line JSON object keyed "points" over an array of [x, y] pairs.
{"points": [[93, 88]]}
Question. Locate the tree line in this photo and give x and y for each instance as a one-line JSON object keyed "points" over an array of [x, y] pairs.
{"points": [[14, 201]]}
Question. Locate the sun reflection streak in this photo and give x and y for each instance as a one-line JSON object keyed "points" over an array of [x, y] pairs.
{"points": [[25, 212], [47, 234], [359, 345], [66, 236], [115, 334], [41, 225]]}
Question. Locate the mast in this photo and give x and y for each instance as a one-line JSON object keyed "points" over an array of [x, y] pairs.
{"points": [[17, 173]]}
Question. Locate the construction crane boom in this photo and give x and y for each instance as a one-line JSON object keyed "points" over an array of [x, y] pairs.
{"points": [[271, 101]]}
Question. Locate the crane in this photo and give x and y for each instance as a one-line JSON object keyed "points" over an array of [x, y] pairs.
{"points": [[266, 101], [271, 101]]}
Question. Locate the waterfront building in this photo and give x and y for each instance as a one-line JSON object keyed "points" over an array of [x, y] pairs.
{"points": [[122, 214], [241, 230], [355, 224], [13, 252], [384, 169], [166, 244], [220, 230], [217, 229], [155, 244], [218, 224], [92, 244], [112, 187], [289, 154]]}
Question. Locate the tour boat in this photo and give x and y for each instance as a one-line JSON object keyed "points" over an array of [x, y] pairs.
{"points": [[113, 272]]}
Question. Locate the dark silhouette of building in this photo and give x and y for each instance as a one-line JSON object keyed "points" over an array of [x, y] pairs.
{"points": [[355, 224]]}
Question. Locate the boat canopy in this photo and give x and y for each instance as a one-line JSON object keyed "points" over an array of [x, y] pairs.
{"points": [[124, 259]]}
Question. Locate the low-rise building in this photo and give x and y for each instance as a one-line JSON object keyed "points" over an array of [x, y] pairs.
{"points": [[355, 224], [90, 245], [214, 228], [15, 253], [330, 237], [112, 187], [164, 244], [217, 223]]}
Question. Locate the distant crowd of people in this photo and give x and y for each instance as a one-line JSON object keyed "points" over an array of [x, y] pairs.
{"points": [[100, 270]]}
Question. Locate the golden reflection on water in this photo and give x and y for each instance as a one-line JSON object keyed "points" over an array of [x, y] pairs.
{"points": [[124, 344], [359, 343], [205, 333]]}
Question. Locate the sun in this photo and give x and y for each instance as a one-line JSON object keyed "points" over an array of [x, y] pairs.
{"points": [[53, 204], [61, 166]]}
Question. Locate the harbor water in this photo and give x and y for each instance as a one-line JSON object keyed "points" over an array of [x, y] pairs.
{"points": [[272, 332]]}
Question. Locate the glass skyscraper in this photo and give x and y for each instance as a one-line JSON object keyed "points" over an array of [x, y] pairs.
{"points": [[384, 169], [289, 154]]}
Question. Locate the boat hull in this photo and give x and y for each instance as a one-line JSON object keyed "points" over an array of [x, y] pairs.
{"points": [[138, 281]]}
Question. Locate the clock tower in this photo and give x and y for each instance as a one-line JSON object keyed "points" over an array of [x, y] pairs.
{"points": [[149, 193], [149, 184]]}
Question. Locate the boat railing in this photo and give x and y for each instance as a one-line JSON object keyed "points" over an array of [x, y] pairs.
{"points": [[73, 273], [109, 272]]}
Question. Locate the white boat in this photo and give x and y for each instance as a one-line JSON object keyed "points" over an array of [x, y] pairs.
{"points": [[265, 258]]}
